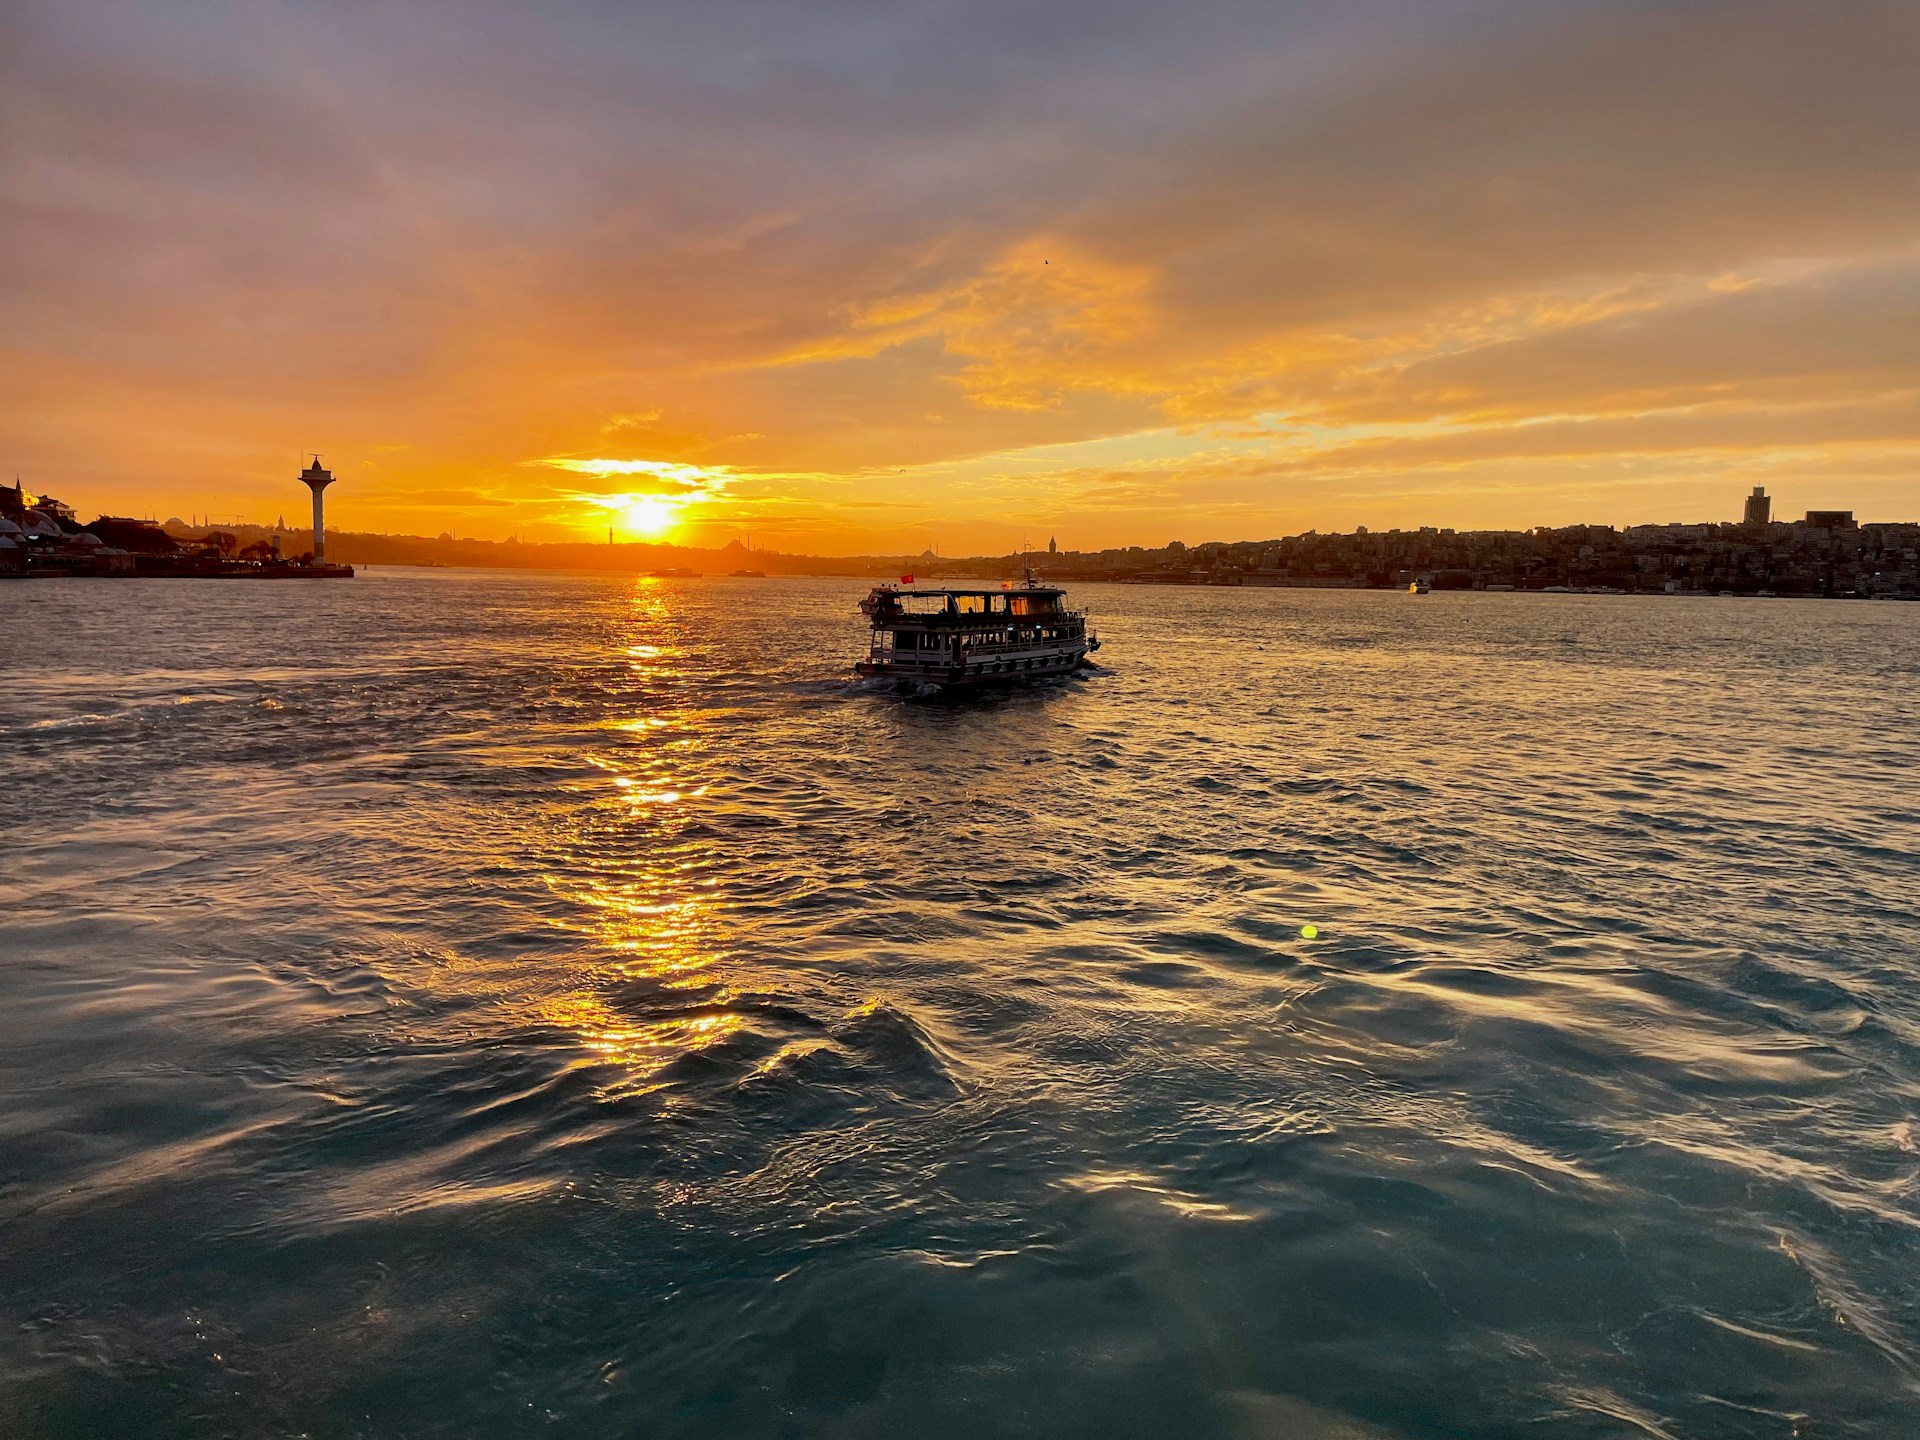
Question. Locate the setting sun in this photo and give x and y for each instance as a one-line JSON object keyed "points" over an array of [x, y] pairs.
{"points": [[648, 516]]}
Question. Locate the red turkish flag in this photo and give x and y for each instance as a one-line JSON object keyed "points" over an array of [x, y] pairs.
{"points": [[906, 579]]}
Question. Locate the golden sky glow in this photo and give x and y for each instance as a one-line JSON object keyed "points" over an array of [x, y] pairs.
{"points": [[858, 276], [654, 500]]}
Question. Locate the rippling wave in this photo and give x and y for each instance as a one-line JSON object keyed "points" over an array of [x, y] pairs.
{"points": [[478, 1004]]}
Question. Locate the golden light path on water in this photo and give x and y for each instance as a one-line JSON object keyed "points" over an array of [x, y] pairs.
{"points": [[650, 908]]}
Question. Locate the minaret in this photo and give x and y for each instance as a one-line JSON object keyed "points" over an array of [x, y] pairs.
{"points": [[317, 480]]}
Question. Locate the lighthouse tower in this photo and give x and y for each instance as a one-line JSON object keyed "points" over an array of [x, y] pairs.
{"points": [[317, 481]]}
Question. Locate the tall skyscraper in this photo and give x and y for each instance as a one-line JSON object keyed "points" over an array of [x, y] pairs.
{"points": [[1759, 507]]}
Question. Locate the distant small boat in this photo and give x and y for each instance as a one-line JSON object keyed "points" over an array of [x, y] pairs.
{"points": [[748, 574], [673, 573], [1501, 585], [1421, 585]]}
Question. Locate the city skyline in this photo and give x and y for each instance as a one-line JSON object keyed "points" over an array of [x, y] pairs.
{"points": [[844, 279], [1757, 506]]}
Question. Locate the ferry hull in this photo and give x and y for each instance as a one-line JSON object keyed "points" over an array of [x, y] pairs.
{"points": [[976, 673]]}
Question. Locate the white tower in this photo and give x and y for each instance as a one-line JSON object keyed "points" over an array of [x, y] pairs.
{"points": [[317, 481]]}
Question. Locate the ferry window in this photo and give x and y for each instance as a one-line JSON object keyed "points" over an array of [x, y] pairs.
{"points": [[971, 604]]}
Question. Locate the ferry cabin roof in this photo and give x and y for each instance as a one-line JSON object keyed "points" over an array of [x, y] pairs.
{"points": [[944, 591], [936, 605]]}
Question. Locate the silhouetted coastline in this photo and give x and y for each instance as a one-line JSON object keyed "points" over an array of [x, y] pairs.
{"points": [[1827, 554]]}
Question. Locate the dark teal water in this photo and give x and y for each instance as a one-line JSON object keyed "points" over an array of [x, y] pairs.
{"points": [[470, 1004]]}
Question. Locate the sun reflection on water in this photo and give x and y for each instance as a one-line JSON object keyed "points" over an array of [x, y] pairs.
{"points": [[641, 1049], [637, 883], [662, 994]]}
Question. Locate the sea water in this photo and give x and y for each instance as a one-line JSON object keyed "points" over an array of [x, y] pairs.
{"points": [[490, 1004]]}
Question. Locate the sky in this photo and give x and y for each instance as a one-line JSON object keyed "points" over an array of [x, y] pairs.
{"points": [[857, 276]]}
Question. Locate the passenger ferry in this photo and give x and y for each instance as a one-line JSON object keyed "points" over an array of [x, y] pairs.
{"points": [[954, 638]]}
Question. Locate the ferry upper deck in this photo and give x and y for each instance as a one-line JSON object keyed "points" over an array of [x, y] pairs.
{"points": [[941, 608]]}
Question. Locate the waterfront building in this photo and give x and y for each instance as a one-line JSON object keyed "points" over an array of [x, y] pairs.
{"points": [[87, 554], [42, 526]]}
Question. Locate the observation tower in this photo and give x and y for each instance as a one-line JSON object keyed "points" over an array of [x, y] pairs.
{"points": [[317, 480]]}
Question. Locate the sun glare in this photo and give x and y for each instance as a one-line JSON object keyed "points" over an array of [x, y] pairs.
{"points": [[648, 516]]}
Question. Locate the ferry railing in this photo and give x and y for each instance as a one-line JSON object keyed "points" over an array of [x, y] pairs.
{"points": [[943, 654]]}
